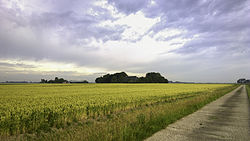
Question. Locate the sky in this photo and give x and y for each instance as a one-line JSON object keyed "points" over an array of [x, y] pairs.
{"points": [[184, 40]]}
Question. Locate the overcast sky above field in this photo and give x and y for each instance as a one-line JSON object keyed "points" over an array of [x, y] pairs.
{"points": [[185, 40]]}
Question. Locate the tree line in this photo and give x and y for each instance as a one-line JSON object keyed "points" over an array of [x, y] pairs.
{"points": [[243, 81], [61, 80], [122, 77]]}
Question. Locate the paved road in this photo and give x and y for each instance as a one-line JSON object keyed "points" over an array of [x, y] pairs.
{"points": [[226, 119]]}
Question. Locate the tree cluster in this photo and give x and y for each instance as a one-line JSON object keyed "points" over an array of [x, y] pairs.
{"points": [[243, 81], [122, 77], [57, 80]]}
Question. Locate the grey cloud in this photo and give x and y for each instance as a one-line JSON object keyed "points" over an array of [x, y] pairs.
{"points": [[79, 26], [129, 6], [220, 24], [69, 25], [16, 65], [218, 33], [198, 15]]}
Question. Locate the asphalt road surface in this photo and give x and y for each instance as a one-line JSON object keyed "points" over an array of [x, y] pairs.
{"points": [[226, 119]]}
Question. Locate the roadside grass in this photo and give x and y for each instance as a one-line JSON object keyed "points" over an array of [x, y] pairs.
{"points": [[131, 125], [248, 91]]}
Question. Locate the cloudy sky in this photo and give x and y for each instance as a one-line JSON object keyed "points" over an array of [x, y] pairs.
{"points": [[184, 40]]}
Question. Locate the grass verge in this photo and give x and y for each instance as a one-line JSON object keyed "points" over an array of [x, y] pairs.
{"points": [[248, 91]]}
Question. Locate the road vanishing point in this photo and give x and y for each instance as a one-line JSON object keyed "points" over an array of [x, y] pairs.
{"points": [[226, 119]]}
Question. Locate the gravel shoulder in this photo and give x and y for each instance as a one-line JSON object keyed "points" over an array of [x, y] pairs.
{"points": [[227, 118]]}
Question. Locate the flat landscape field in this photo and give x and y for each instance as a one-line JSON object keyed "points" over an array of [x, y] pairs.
{"points": [[98, 111]]}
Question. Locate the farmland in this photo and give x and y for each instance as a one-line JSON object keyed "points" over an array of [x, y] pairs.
{"points": [[98, 111]]}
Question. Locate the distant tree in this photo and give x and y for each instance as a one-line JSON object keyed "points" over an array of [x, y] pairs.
{"points": [[57, 80], [51, 81], [84, 81], [154, 77], [132, 79], [141, 80], [113, 78], [241, 81], [103, 79], [43, 81], [61, 80], [119, 78], [99, 80]]}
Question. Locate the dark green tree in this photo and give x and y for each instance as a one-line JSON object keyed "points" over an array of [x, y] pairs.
{"points": [[154, 77], [43, 81]]}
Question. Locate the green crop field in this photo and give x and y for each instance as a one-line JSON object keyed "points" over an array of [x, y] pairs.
{"points": [[98, 111]]}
